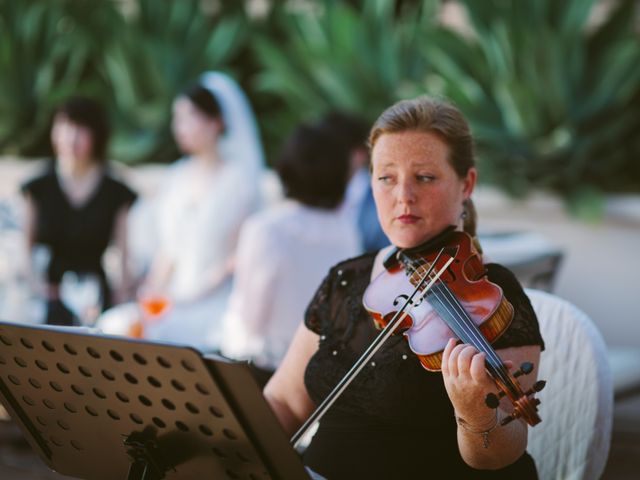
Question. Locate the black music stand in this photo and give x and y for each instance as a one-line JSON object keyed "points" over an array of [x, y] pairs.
{"points": [[103, 407]]}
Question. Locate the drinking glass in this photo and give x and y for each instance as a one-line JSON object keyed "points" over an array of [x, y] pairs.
{"points": [[153, 303], [81, 293]]}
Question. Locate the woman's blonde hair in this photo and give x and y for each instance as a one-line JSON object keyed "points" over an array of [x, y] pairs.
{"points": [[434, 115]]}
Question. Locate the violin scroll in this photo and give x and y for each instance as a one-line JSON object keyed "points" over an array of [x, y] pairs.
{"points": [[524, 406]]}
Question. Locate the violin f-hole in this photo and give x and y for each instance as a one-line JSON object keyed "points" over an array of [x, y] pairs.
{"points": [[402, 298]]}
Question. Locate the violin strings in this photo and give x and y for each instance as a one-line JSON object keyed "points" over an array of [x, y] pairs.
{"points": [[388, 330], [444, 294], [470, 331], [499, 369], [463, 323], [462, 320]]}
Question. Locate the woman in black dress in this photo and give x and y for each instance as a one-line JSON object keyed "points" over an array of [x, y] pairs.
{"points": [[77, 207], [398, 420]]}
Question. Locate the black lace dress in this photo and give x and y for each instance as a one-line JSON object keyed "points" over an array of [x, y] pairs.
{"points": [[395, 420]]}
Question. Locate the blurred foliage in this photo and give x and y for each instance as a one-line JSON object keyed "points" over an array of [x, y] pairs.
{"points": [[552, 95], [136, 64], [325, 55], [48, 50], [165, 46]]}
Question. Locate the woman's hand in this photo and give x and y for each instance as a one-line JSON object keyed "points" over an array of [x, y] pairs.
{"points": [[483, 443], [467, 382]]}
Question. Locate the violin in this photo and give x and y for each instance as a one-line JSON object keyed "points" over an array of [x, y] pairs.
{"points": [[462, 304], [434, 295]]}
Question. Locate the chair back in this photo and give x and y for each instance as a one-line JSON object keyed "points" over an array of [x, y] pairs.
{"points": [[532, 257], [539, 273], [572, 442]]}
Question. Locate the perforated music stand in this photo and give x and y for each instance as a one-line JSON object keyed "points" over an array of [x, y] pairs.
{"points": [[102, 407]]}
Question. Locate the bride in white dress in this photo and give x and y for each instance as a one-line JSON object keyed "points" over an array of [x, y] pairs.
{"points": [[199, 209]]}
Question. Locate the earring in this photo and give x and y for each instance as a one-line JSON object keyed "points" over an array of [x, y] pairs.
{"points": [[465, 209]]}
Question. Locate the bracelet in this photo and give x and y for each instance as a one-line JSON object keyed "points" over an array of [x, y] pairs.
{"points": [[484, 432]]}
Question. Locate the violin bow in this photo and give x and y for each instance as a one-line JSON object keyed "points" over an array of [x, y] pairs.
{"points": [[382, 337]]}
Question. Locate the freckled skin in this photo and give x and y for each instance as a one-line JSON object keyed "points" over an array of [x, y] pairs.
{"points": [[416, 190]]}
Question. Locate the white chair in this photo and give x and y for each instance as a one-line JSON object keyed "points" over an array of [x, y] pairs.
{"points": [[572, 442]]}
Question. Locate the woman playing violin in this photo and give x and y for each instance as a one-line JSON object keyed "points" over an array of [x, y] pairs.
{"points": [[397, 419]]}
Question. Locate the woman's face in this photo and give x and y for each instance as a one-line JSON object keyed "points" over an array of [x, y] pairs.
{"points": [[194, 131], [416, 190], [72, 142]]}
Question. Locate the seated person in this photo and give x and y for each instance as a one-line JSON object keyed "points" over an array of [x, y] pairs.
{"points": [[396, 419], [197, 216], [77, 207], [285, 251], [358, 205]]}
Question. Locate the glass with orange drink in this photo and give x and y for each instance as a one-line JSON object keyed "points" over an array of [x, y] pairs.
{"points": [[153, 304]]}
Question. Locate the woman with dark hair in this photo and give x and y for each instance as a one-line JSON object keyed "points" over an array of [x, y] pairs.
{"points": [[77, 207], [284, 251], [397, 419], [207, 195], [358, 205]]}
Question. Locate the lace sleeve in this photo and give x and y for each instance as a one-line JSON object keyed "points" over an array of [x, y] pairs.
{"points": [[336, 307], [524, 329], [316, 317]]}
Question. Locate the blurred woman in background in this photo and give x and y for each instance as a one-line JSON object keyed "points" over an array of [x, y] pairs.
{"points": [[76, 208], [207, 195], [285, 251]]}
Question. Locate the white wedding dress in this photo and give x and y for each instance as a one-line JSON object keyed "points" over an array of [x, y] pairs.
{"points": [[198, 237], [198, 233]]}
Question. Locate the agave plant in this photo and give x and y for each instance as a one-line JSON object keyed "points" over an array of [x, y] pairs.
{"points": [[49, 49], [164, 46], [332, 55], [552, 92]]}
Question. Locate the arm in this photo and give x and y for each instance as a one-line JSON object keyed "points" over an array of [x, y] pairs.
{"points": [[159, 272], [123, 291], [229, 221], [467, 384], [162, 270], [29, 236], [213, 277], [286, 392], [258, 262], [51, 292]]}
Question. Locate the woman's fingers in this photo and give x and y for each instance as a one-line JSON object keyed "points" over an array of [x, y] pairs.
{"points": [[467, 354], [477, 368], [456, 358], [446, 354]]}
